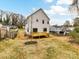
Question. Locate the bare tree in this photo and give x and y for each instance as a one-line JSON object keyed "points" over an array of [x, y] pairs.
{"points": [[75, 6]]}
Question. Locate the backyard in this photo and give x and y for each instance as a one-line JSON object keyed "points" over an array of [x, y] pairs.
{"points": [[54, 47]]}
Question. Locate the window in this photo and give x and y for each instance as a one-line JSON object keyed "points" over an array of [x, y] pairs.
{"points": [[36, 20], [35, 30], [48, 22], [45, 29], [43, 21]]}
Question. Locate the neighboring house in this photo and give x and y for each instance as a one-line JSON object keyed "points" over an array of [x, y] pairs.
{"points": [[71, 28], [61, 30], [38, 22], [56, 29]]}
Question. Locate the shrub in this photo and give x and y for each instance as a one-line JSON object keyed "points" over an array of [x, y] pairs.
{"points": [[75, 35], [76, 29]]}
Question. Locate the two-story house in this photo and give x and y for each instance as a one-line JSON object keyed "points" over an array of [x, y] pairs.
{"points": [[37, 22]]}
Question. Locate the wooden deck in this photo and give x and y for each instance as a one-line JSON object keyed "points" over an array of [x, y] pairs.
{"points": [[40, 34]]}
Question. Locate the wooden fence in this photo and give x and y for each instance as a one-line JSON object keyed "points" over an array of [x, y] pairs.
{"points": [[4, 33]]}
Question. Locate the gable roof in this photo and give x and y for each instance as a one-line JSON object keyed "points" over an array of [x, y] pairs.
{"points": [[37, 11]]}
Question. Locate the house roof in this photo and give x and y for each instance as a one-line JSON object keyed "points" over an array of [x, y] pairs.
{"points": [[37, 11]]}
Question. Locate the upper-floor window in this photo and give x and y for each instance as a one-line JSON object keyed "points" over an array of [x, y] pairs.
{"points": [[42, 21], [36, 20]]}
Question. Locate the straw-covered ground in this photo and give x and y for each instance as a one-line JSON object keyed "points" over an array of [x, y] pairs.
{"points": [[45, 48]]}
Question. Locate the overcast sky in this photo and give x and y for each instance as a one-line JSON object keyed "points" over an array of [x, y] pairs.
{"points": [[57, 10]]}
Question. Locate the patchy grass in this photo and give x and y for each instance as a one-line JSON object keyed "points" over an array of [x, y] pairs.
{"points": [[47, 48]]}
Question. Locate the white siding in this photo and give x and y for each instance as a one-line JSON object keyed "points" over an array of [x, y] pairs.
{"points": [[40, 16]]}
